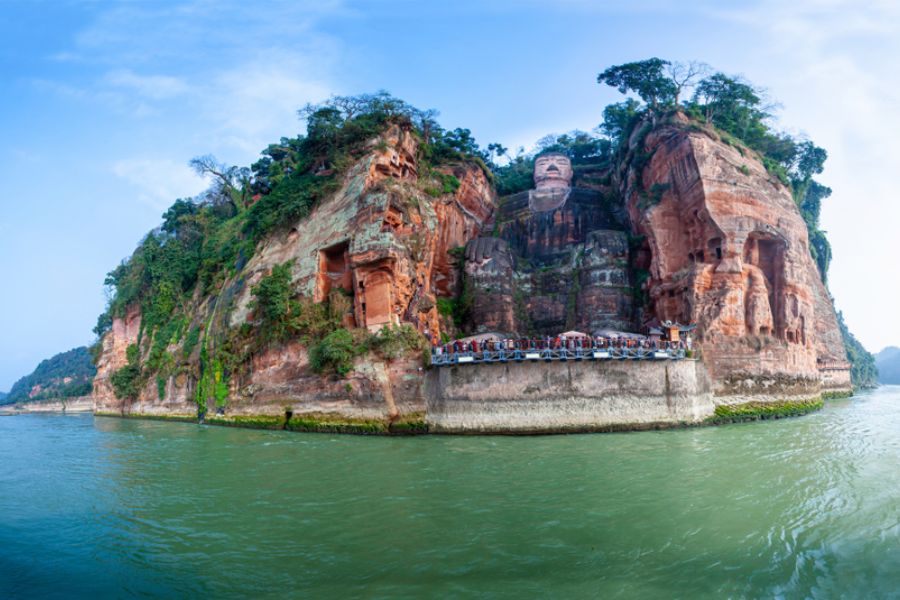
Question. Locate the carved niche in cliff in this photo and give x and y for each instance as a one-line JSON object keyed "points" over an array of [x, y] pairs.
{"points": [[559, 260], [334, 270]]}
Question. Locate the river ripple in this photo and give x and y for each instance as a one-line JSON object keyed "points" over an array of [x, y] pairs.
{"points": [[806, 507]]}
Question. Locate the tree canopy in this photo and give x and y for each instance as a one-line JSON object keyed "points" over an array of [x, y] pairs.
{"points": [[646, 78], [731, 105], [65, 375]]}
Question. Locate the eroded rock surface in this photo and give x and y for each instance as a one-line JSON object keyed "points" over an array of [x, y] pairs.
{"points": [[381, 239], [729, 252]]}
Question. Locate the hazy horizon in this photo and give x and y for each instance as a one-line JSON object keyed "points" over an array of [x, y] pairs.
{"points": [[107, 103]]}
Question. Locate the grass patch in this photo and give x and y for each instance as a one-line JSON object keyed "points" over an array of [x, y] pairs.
{"points": [[758, 411], [836, 395]]}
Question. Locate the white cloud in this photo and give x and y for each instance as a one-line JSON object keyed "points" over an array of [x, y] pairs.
{"points": [[155, 87], [158, 182], [170, 60], [253, 104], [825, 60]]}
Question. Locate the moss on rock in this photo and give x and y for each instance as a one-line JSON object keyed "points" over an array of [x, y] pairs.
{"points": [[757, 411]]}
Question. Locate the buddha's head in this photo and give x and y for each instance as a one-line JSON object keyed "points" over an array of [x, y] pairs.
{"points": [[552, 171]]}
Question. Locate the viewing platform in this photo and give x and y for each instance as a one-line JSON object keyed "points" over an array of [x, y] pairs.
{"points": [[451, 357]]}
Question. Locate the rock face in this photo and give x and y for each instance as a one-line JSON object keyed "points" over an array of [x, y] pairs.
{"points": [[729, 252], [381, 239], [123, 333]]}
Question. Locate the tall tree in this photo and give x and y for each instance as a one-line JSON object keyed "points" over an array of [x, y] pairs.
{"points": [[722, 97], [646, 78], [230, 183], [618, 119]]}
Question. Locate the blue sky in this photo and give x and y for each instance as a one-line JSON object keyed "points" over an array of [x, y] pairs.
{"points": [[104, 103]]}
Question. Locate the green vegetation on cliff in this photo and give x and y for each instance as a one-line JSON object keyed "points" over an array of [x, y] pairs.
{"points": [[864, 372], [738, 112], [199, 251], [127, 381], [66, 375]]}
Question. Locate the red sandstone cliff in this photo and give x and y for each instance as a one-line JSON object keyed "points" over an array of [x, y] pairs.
{"points": [[382, 239], [729, 252], [724, 245]]}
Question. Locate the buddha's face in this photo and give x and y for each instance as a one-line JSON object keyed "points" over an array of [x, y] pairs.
{"points": [[552, 171]]}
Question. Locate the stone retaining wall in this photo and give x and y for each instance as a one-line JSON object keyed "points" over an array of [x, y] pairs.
{"points": [[836, 380], [573, 396]]}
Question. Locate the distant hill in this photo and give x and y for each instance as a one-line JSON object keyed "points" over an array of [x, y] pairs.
{"points": [[3, 396], [66, 375], [888, 361]]}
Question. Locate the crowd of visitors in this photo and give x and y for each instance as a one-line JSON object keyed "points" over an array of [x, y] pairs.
{"points": [[560, 342]]}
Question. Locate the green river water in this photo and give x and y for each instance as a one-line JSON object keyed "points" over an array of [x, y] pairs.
{"points": [[797, 508]]}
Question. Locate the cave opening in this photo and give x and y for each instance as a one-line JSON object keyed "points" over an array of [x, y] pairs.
{"points": [[715, 247], [334, 270]]}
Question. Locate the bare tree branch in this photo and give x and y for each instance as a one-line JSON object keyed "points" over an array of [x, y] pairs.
{"points": [[683, 75]]}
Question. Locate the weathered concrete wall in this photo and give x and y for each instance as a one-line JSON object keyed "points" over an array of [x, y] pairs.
{"points": [[573, 396], [68, 405], [836, 380]]}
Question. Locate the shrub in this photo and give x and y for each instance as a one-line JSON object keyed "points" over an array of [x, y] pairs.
{"points": [[220, 390], [334, 354], [127, 381], [190, 341], [393, 342], [272, 302], [445, 306]]}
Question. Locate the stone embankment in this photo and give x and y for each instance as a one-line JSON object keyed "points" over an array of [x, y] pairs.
{"points": [[82, 404], [572, 396]]}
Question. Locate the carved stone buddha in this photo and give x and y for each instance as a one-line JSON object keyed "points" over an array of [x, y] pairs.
{"points": [[559, 259], [552, 182]]}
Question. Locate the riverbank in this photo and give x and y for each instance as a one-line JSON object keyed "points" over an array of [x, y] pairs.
{"points": [[531, 398], [410, 424], [81, 404], [418, 425], [513, 398]]}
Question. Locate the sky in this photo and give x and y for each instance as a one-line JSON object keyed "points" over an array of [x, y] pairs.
{"points": [[104, 103]]}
